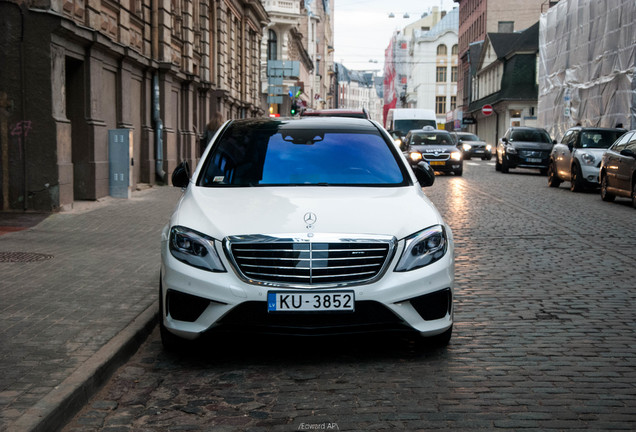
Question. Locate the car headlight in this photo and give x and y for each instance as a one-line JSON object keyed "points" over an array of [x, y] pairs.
{"points": [[488, 147], [194, 248], [588, 158], [466, 147], [456, 156], [423, 248], [415, 156]]}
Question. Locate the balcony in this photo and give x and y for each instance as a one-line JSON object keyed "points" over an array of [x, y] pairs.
{"points": [[285, 7]]}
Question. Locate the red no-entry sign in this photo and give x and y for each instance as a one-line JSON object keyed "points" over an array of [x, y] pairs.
{"points": [[487, 110]]}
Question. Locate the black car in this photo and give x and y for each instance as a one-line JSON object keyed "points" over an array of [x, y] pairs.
{"points": [[437, 147], [618, 169], [524, 147], [472, 146]]}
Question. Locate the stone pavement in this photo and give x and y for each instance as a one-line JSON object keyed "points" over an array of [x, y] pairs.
{"points": [[70, 312]]}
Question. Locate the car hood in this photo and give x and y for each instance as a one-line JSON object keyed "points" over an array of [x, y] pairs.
{"points": [[221, 212], [433, 148], [528, 145]]}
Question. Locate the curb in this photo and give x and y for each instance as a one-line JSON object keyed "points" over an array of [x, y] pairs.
{"points": [[54, 410]]}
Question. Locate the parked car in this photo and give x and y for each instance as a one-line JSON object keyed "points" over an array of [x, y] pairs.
{"points": [[577, 157], [618, 169], [471, 145], [437, 147], [305, 226], [335, 112], [524, 147]]}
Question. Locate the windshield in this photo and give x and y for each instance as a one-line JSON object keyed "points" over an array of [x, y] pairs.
{"points": [[599, 138], [404, 126], [266, 154], [432, 138], [538, 136], [469, 137]]}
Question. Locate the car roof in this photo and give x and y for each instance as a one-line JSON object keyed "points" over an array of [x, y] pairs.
{"points": [[432, 130], [335, 112], [332, 123]]}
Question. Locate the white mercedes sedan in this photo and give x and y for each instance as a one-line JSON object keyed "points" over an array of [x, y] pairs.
{"points": [[308, 226]]}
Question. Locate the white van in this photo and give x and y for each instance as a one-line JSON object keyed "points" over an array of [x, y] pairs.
{"points": [[402, 120]]}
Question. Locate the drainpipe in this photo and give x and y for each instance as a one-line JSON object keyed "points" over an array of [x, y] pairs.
{"points": [[156, 112], [156, 116]]}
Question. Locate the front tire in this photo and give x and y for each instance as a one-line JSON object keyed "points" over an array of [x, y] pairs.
{"points": [[605, 195], [634, 193], [553, 178], [576, 181], [505, 168]]}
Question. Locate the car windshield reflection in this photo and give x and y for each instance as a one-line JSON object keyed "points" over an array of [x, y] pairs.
{"points": [[272, 154]]}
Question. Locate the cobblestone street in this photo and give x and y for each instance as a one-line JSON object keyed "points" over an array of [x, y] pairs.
{"points": [[544, 339]]}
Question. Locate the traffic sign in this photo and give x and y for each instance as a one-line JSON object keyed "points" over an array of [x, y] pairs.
{"points": [[487, 110]]}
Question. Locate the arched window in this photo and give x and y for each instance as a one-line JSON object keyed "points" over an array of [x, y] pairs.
{"points": [[441, 50], [454, 50], [272, 45]]}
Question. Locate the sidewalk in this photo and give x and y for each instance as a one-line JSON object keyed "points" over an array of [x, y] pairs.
{"points": [[78, 293]]}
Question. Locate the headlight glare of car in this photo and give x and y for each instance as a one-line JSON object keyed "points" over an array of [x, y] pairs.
{"points": [[456, 156], [488, 147], [588, 158], [415, 156], [423, 248], [466, 147], [195, 249]]}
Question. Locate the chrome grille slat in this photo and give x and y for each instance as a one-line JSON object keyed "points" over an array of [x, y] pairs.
{"points": [[309, 263]]}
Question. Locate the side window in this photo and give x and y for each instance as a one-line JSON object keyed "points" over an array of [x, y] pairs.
{"points": [[620, 145], [566, 138], [632, 143], [574, 139]]}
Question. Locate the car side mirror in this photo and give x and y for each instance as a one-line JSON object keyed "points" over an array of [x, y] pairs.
{"points": [[504, 140], [181, 175], [570, 146], [628, 153], [424, 174]]}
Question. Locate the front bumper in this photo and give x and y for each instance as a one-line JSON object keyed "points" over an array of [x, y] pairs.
{"points": [[445, 166], [515, 161], [590, 173], [197, 301]]}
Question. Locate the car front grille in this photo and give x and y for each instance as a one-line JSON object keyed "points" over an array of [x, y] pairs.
{"points": [[534, 154], [435, 156], [321, 261]]}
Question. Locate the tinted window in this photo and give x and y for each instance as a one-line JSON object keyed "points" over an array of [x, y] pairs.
{"points": [[264, 154], [469, 137], [431, 138], [531, 136], [599, 138], [622, 142], [404, 126]]}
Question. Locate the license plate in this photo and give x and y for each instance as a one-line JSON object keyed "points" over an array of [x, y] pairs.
{"points": [[310, 301], [533, 160], [437, 163]]}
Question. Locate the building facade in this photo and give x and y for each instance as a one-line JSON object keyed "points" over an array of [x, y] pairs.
{"points": [[477, 18], [158, 69], [433, 84], [299, 40], [587, 68], [505, 79], [420, 64], [359, 90]]}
